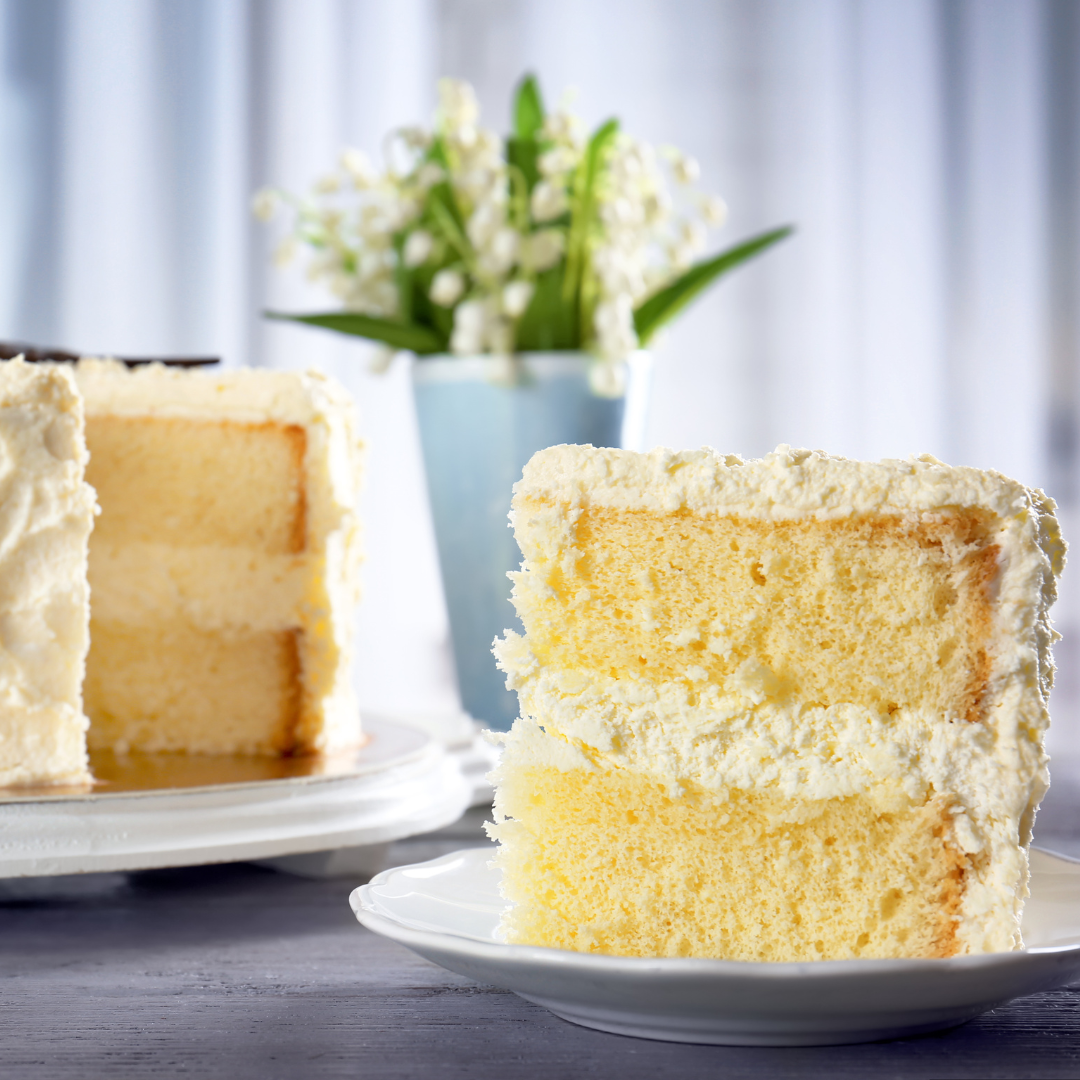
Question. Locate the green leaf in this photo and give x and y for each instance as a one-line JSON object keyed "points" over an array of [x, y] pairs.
{"points": [[418, 339], [528, 109], [549, 322], [523, 154], [583, 211], [664, 305], [403, 279]]}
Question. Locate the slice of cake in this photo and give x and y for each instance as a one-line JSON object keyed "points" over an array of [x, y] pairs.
{"points": [[223, 568], [46, 514], [787, 709]]}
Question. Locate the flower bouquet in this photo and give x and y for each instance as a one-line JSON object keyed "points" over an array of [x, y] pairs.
{"points": [[550, 241], [527, 276]]}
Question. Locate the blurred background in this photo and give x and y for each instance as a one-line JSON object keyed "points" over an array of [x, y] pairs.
{"points": [[927, 150]]}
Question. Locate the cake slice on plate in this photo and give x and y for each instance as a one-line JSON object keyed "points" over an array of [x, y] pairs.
{"points": [[46, 514], [787, 709]]}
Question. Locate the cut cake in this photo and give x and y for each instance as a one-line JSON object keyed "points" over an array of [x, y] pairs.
{"points": [[46, 513], [787, 709], [223, 565]]}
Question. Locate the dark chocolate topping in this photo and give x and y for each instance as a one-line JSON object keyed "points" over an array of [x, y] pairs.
{"points": [[36, 355]]}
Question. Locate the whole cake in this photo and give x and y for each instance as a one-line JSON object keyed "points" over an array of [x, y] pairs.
{"points": [[46, 513], [786, 709], [223, 566]]}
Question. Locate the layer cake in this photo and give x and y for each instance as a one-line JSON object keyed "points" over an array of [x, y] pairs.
{"points": [[786, 709], [223, 566]]}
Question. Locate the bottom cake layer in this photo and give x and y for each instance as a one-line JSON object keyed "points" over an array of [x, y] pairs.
{"points": [[612, 862], [174, 688]]}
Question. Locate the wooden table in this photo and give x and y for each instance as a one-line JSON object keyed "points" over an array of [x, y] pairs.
{"points": [[237, 971]]}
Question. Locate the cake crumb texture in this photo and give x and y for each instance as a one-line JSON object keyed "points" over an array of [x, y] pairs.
{"points": [[616, 864], [224, 570]]}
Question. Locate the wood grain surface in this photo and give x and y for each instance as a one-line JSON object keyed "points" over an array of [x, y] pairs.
{"points": [[237, 971]]}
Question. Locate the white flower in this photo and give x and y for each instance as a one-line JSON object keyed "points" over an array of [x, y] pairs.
{"points": [[559, 160], [714, 210], [326, 185], [503, 369], [414, 137], [357, 164], [487, 150], [285, 252], [470, 327], [562, 127], [417, 248], [548, 201], [516, 297], [483, 185], [500, 336], [484, 223], [686, 169], [694, 236], [621, 270], [429, 174], [447, 287], [501, 251], [465, 136], [542, 250], [614, 324], [458, 106], [656, 206], [607, 379], [265, 203], [681, 256], [381, 360]]}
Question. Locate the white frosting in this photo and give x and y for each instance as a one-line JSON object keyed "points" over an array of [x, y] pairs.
{"points": [[736, 735], [46, 514]]}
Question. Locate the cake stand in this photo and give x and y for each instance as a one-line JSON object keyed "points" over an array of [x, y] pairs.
{"points": [[155, 810]]}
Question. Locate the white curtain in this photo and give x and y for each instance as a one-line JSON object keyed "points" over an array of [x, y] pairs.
{"points": [[927, 150]]}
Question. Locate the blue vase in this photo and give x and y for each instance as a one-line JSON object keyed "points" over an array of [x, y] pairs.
{"points": [[480, 422]]}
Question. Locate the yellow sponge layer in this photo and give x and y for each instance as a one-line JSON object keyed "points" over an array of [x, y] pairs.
{"points": [[813, 607], [611, 862], [194, 482], [176, 688]]}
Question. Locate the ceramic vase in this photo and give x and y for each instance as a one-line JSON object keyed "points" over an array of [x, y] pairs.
{"points": [[481, 419]]}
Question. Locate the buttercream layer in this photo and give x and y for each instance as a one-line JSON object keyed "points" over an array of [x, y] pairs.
{"points": [[209, 587]]}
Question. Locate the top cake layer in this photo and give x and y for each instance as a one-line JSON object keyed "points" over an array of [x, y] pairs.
{"points": [[309, 401], [687, 601]]}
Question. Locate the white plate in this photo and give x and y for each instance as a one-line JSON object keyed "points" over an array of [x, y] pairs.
{"points": [[447, 910], [157, 810]]}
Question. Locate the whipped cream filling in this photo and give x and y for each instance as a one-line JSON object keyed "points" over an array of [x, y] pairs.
{"points": [[210, 588]]}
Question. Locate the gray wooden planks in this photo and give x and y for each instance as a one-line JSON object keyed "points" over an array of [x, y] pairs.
{"points": [[238, 972]]}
